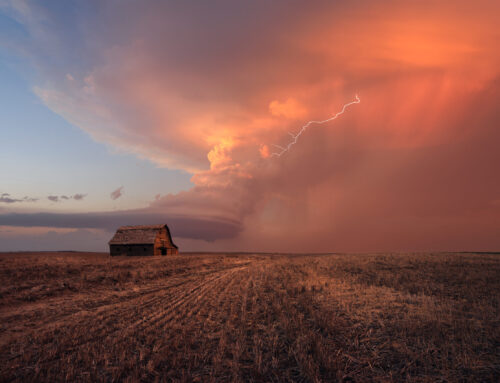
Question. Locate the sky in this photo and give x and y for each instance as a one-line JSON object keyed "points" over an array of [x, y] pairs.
{"points": [[132, 112]]}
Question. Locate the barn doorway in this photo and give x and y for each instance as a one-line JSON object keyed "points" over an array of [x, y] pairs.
{"points": [[163, 251]]}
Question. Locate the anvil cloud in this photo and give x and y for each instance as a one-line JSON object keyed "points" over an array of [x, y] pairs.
{"points": [[206, 87]]}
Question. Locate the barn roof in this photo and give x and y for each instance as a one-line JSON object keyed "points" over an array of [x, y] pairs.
{"points": [[138, 235]]}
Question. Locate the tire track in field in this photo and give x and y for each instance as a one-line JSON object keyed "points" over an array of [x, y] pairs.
{"points": [[114, 310], [35, 311], [158, 327], [124, 310], [214, 306], [72, 321], [222, 319], [99, 312], [144, 309], [100, 337], [180, 309], [179, 301], [214, 282], [178, 293], [165, 332], [124, 333], [73, 303], [219, 292], [95, 321]]}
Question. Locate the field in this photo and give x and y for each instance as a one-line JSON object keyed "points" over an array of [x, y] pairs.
{"points": [[250, 317]]}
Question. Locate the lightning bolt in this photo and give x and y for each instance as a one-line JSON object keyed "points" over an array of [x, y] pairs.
{"points": [[295, 137]]}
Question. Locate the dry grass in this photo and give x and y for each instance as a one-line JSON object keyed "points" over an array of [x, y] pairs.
{"points": [[307, 318]]}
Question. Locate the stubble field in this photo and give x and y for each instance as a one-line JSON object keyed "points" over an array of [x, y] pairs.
{"points": [[250, 317]]}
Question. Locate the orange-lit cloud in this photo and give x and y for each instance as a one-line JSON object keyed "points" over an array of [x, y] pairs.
{"points": [[413, 166], [264, 151], [290, 108]]}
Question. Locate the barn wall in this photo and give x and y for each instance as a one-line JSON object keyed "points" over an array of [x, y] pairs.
{"points": [[131, 250], [115, 250]]}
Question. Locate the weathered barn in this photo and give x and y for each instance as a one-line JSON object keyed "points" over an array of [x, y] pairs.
{"points": [[143, 240]]}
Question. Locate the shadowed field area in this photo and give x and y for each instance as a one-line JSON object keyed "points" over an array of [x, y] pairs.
{"points": [[245, 317]]}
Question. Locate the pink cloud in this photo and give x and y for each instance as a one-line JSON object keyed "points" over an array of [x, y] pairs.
{"points": [[412, 167]]}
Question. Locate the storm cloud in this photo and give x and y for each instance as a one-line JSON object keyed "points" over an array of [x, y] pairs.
{"points": [[208, 229], [210, 88]]}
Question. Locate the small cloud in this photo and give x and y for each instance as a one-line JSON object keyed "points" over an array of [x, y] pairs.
{"points": [[69, 77], [29, 199], [117, 193], [79, 197], [264, 151], [76, 197], [9, 200], [5, 198]]}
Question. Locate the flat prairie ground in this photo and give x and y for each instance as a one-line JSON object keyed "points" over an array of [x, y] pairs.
{"points": [[250, 317]]}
